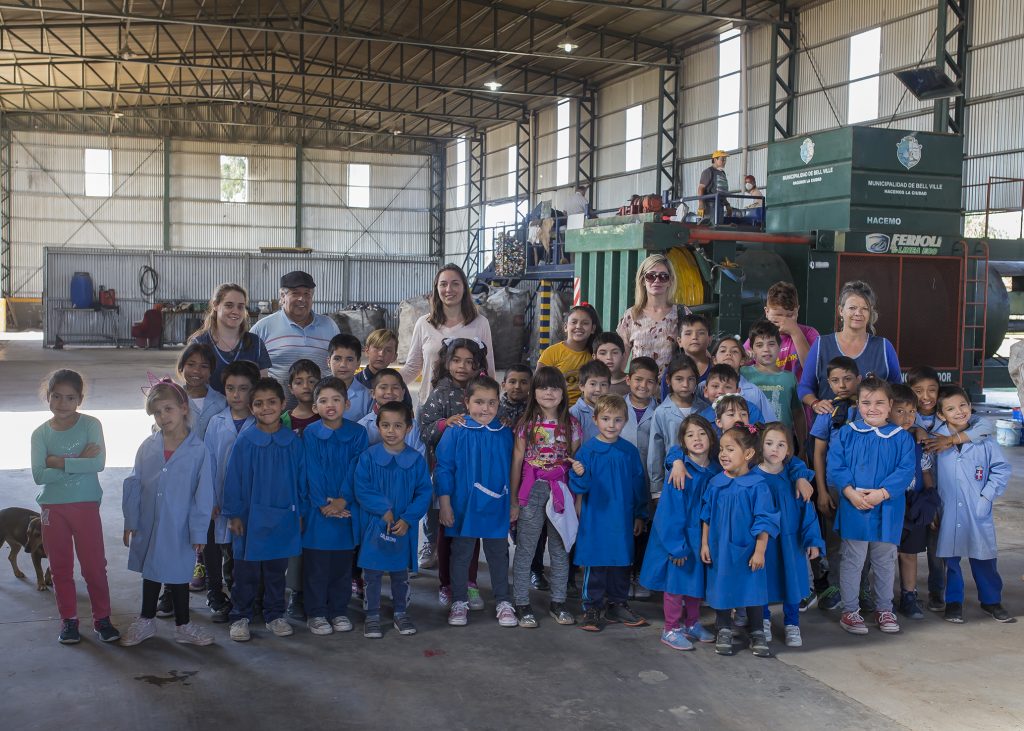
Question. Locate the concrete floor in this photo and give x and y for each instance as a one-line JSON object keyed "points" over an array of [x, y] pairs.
{"points": [[931, 676]]}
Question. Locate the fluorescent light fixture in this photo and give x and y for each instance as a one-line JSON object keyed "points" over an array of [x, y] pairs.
{"points": [[568, 46], [493, 85]]}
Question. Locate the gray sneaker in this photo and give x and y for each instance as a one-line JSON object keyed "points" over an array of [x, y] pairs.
{"points": [[723, 643], [280, 627], [759, 645], [526, 616], [371, 628], [404, 625]]}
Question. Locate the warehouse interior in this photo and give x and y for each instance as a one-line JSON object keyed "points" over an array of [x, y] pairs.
{"points": [[164, 148]]}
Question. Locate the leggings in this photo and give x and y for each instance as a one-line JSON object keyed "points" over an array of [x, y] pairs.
{"points": [[444, 557], [179, 598], [71, 528], [680, 611]]}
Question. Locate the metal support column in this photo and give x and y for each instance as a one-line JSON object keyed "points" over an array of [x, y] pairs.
{"points": [[586, 141], [951, 57], [524, 139], [299, 159], [475, 151], [668, 129], [782, 90], [6, 162], [437, 191], [167, 195]]}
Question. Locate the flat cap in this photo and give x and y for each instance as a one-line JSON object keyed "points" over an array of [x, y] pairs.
{"points": [[291, 280]]}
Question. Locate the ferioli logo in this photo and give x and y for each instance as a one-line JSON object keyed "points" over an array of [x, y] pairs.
{"points": [[877, 243]]}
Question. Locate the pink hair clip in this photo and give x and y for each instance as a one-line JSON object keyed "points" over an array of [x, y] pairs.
{"points": [[752, 428]]}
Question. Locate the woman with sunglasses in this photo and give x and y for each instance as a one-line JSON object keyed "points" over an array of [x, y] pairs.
{"points": [[650, 327]]}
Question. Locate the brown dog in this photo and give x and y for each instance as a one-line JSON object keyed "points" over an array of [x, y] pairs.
{"points": [[20, 528]]}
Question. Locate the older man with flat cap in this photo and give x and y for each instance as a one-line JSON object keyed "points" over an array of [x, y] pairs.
{"points": [[295, 331]]}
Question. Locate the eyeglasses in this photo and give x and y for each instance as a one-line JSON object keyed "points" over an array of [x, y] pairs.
{"points": [[653, 277]]}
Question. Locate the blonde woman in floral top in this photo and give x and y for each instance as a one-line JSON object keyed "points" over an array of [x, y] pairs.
{"points": [[651, 326]]}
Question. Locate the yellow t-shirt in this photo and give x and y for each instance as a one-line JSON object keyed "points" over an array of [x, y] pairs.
{"points": [[569, 362]]}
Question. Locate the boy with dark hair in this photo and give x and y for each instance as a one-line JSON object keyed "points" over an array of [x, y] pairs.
{"points": [[515, 394], [610, 350], [302, 379], [641, 404], [343, 354], [694, 339], [595, 380], [722, 379], [777, 385], [782, 308]]}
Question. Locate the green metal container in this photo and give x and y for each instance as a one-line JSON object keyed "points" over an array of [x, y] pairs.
{"points": [[866, 179]]}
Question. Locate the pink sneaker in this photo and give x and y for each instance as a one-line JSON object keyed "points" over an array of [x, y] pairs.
{"points": [[458, 615], [887, 622], [853, 623]]}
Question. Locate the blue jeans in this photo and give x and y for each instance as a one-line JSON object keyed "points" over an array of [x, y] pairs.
{"points": [[990, 584], [790, 613], [399, 591], [496, 550], [327, 582], [605, 582], [247, 579]]}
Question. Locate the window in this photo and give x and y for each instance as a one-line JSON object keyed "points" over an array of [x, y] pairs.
{"points": [[358, 185], [634, 133], [513, 154], [98, 173], [562, 144], [460, 173], [729, 60], [234, 179], [865, 54]]}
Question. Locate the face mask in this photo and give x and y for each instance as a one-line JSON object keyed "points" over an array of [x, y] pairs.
{"points": [[748, 186]]}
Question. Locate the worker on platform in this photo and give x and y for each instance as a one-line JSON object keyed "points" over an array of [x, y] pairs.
{"points": [[578, 203], [750, 188], [714, 180]]}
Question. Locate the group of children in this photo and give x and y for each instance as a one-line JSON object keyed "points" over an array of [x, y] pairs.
{"points": [[685, 482]]}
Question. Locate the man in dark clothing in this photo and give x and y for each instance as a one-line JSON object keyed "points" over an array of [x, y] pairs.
{"points": [[714, 180]]}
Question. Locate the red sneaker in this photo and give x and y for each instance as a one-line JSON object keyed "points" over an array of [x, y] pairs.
{"points": [[887, 622], [853, 623]]}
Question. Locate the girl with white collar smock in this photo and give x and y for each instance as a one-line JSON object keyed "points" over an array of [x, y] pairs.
{"points": [[195, 367], [167, 503]]}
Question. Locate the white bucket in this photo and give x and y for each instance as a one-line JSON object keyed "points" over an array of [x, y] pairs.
{"points": [[1007, 432]]}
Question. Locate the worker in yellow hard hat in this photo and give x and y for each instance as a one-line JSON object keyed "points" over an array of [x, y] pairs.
{"points": [[714, 180]]}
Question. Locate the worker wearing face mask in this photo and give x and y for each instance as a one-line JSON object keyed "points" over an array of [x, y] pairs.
{"points": [[750, 188]]}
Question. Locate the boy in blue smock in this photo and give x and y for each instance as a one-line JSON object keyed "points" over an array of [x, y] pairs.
{"points": [[393, 490], [723, 380], [330, 530], [265, 473], [608, 478], [388, 387], [474, 462], [344, 352], [873, 463], [971, 476], [238, 379], [595, 380], [843, 379]]}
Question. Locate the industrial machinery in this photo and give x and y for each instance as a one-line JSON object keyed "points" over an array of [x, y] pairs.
{"points": [[879, 205]]}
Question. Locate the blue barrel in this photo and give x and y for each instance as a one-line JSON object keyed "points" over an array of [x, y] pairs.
{"points": [[81, 290]]}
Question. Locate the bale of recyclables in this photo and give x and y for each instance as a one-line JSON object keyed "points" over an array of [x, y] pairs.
{"points": [[505, 310], [360, 321], [409, 311]]}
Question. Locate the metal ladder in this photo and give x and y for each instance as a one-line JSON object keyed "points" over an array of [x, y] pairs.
{"points": [[975, 299]]}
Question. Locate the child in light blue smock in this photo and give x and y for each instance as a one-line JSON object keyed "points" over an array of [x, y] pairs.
{"points": [[393, 490], [330, 528], [265, 474], [195, 365], [738, 518], [970, 477], [167, 503], [344, 352]]}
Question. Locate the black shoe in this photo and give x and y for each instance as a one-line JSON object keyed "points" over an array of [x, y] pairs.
{"points": [[954, 612], [592, 621], [723, 642], [909, 606], [998, 613], [936, 602], [622, 613], [539, 582], [220, 609], [105, 630], [296, 609], [759, 645], [165, 607], [525, 616], [69, 634]]}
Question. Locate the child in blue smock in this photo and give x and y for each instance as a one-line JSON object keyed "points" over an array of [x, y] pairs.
{"points": [[723, 380], [474, 462], [613, 511], [265, 473], [393, 490], [799, 538], [387, 387], [344, 352], [672, 563], [971, 476], [330, 525], [680, 402], [872, 463], [737, 517], [238, 378], [595, 380], [167, 503], [195, 364]]}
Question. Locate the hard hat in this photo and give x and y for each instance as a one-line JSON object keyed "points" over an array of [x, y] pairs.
{"points": [[719, 153]]}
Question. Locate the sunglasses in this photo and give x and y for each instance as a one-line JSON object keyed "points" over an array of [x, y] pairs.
{"points": [[653, 277]]}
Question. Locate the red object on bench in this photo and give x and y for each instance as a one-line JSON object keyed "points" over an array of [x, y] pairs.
{"points": [[148, 332]]}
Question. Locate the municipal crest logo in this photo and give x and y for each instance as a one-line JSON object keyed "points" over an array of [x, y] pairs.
{"points": [[908, 151], [979, 473], [807, 150]]}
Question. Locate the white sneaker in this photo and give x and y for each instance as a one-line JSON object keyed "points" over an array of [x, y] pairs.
{"points": [[341, 623], [458, 615], [280, 627], [319, 626], [239, 631], [766, 624], [793, 638], [139, 631], [192, 634], [507, 615]]}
